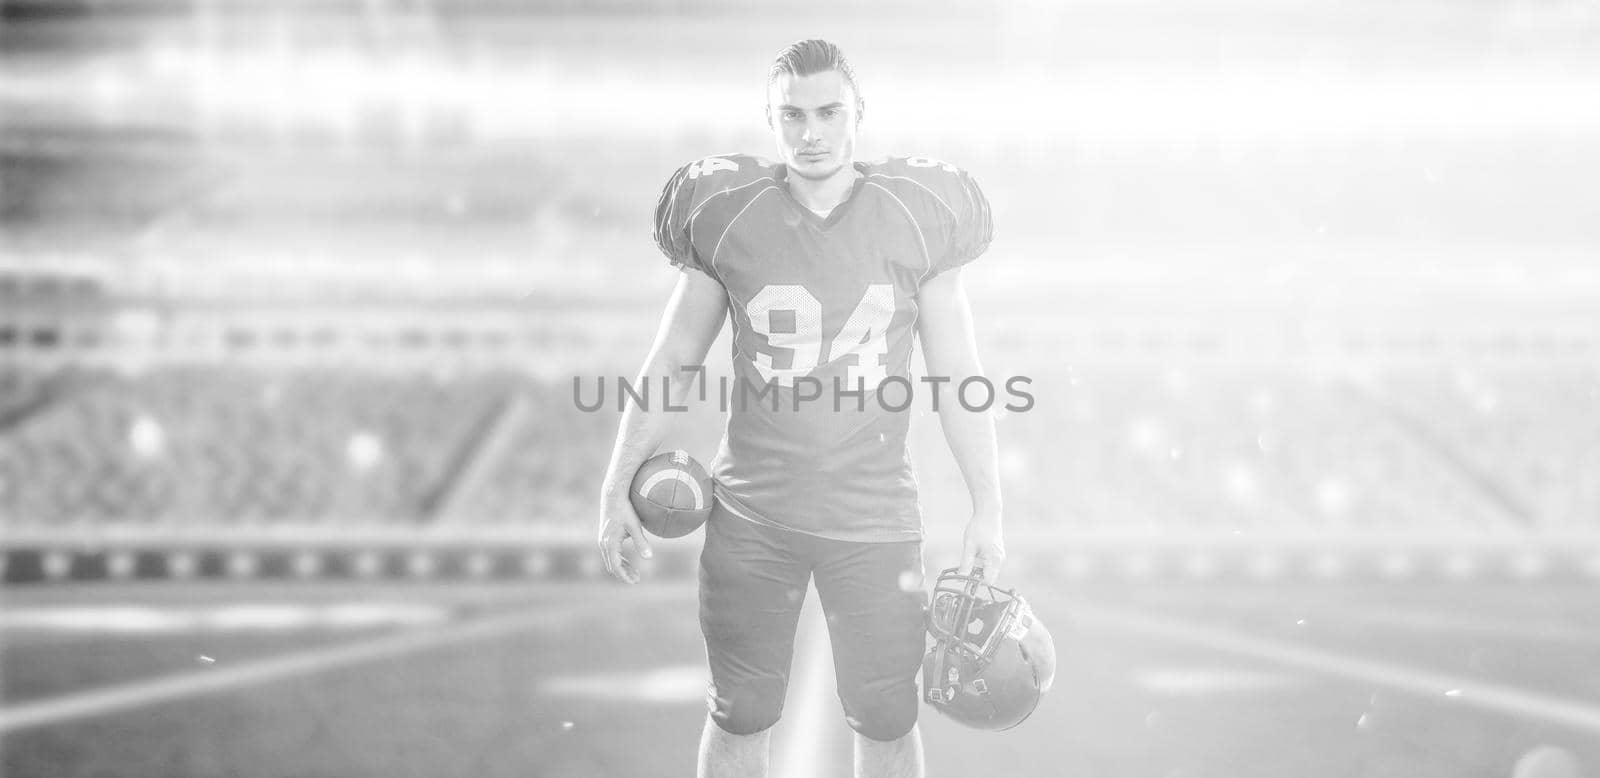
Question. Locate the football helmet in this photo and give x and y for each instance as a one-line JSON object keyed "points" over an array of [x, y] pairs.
{"points": [[992, 658]]}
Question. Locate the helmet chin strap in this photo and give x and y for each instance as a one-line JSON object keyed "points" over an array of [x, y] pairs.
{"points": [[944, 648], [955, 631]]}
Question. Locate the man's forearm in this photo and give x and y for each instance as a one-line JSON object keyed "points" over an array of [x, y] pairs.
{"points": [[972, 440], [644, 426]]}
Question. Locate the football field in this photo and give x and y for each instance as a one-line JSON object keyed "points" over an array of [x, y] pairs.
{"points": [[287, 277], [596, 679]]}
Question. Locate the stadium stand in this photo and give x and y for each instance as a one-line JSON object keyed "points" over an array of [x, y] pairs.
{"points": [[1215, 449], [1232, 450], [201, 445], [1533, 429]]}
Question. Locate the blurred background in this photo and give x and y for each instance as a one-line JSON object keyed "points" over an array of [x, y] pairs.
{"points": [[293, 296]]}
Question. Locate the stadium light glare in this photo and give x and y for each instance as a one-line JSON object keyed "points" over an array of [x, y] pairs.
{"points": [[422, 564], [1241, 483], [56, 565], [147, 437], [182, 565], [1147, 436], [120, 565], [536, 564], [1332, 496], [169, 60], [479, 565], [242, 564], [367, 564], [364, 451], [1528, 565]]}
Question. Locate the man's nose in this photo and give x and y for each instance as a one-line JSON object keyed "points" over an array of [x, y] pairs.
{"points": [[813, 130]]}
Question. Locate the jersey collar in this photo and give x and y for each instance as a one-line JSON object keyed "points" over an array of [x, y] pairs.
{"points": [[838, 211]]}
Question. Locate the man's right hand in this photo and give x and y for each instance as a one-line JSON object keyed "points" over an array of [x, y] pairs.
{"points": [[693, 318], [618, 521]]}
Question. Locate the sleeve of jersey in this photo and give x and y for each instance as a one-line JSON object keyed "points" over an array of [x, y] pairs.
{"points": [[672, 222], [972, 230]]}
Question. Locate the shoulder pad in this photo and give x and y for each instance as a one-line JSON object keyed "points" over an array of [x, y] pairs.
{"points": [[711, 183], [925, 169], [946, 195]]}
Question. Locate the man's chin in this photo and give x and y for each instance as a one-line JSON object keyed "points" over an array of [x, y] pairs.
{"points": [[816, 171]]}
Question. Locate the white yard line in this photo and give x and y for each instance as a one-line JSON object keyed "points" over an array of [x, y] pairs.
{"points": [[138, 694], [805, 720], [1202, 681], [1459, 690]]}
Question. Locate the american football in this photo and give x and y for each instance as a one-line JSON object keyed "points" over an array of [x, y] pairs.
{"points": [[671, 492]]}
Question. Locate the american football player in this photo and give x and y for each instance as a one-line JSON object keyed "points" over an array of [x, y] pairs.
{"points": [[828, 269]]}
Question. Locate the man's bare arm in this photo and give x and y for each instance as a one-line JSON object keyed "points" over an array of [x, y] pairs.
{"points": [[951, 351], [693, 317]]}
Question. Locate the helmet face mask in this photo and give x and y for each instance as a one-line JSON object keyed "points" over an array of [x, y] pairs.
{"points": [[992, 659], [974, 616]]}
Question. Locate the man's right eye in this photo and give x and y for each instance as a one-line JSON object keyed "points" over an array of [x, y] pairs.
{"points": [[790, 116]]}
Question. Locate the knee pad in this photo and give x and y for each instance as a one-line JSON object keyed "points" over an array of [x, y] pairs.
{"points": [[882, 713], [750, 707]]}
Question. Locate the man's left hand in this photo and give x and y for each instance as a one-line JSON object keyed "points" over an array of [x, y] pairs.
{"points": [[984, 547]]}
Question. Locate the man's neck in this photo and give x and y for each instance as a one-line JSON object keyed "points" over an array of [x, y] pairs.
{"points": [[823, 194]]}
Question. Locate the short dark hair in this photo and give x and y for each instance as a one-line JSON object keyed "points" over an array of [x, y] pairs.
{"points": [[809, 57]]}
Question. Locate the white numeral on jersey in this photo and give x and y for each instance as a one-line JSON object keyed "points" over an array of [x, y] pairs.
{"points": [[931, 162], [709, 165], [865, 333], [804, 340]]}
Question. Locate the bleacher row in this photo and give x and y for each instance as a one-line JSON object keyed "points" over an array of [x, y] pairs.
{"points": [[1514, 451], [1263, 560]]}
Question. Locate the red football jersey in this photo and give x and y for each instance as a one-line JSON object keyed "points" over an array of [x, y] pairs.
{"points": [[821, 305]]}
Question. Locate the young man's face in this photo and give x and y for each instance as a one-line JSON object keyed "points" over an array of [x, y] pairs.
{"points": [[814, 122]]}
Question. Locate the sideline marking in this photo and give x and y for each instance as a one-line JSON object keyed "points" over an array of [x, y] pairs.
{"points": [[1541, 630], [94, 620], [1498, 698], [673, 684], [138, 694], [1204, 681]]}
